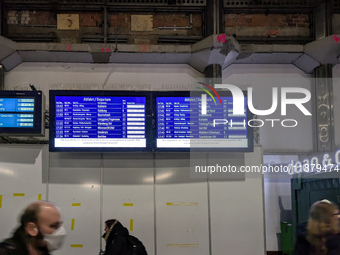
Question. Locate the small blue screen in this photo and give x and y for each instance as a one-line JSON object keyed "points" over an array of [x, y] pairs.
{"points": [[16, 113]]}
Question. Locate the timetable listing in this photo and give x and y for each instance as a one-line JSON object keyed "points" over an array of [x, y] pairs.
{"points": [[9, 120], [16, 105], [100, 117], [179, 119]]}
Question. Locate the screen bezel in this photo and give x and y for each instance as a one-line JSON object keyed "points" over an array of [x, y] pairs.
{"points": [[249, 148], [106, 93], [38, 121]]}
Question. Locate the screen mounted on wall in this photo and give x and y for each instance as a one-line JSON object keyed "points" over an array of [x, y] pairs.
{"points": [[100, 121], [22, 113], [196, 121]]}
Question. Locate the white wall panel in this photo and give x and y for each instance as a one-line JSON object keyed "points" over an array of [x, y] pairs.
{"points": [[237, 213], [81, 203], [181, 208], [180, 202], [262, 78], [75, 168], [74, 185], [128, 194], [23, 175]]}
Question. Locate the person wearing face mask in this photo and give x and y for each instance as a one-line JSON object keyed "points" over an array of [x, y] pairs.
{"points": [[40, 231]]}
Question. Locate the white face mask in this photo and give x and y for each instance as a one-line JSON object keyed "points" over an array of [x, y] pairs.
{"points": [[55, 239]]}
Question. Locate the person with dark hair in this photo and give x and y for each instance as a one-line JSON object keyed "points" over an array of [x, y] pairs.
{"points": [[321, 235], [39, 233], [119, 242], [116, 238]]}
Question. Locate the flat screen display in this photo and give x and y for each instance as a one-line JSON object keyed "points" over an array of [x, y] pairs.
{"points": [[182, 125], [21, 113], [99, 121]]}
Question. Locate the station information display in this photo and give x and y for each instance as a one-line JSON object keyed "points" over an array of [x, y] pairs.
{"points": [[17, 112], [100, 121], [181, 124]]}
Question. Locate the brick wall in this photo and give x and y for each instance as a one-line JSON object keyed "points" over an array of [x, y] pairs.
{"points": [[95, 19], [120, 19], [91, 23], [166, 20], [13, 17], [86, 19], [267, 25], [90, 19], [31, 17], [42, 18]]}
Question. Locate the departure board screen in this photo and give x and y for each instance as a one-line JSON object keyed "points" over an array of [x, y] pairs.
{"points": [[17, 112], [21, 113], [100, 121], [181, 124]]}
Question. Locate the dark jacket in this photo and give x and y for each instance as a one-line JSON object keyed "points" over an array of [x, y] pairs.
{"points": [[117, 243], [16, 245], [333, 245], [303, 247]]}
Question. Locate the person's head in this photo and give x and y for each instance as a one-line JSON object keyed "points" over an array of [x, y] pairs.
{"points": [[40, 221], [323, 220], [108, 224]]}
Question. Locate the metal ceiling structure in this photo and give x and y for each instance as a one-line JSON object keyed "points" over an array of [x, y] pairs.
{"points": [[199, 55], [306, 53]]}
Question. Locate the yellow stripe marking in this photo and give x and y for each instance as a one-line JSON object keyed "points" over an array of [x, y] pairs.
{"points": [[76, 204], [19, 194], [76, 245], [131, 225], [128, 204], [183, 245], [0, 201], [39, 197], [182, 204], [72, 224]]}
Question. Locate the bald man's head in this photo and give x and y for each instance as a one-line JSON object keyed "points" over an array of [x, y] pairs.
{"points": [[40, 218], [39, 211]]}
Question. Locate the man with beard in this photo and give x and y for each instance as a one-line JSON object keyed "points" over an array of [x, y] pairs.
{"points": [[40, 232]]}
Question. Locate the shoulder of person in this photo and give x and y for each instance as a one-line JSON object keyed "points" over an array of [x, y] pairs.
{"points": [[333, 241], [10, 247], [302, 246]]}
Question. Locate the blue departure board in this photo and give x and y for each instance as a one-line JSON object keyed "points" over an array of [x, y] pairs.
{"points": [[17, 112], [99, 122], [182, 124]]}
